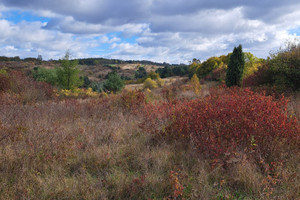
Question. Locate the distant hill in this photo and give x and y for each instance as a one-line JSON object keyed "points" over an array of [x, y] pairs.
{"points": [[89, 61], [94, 68]]}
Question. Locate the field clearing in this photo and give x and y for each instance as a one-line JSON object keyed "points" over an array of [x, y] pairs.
{"points": [[134, 67], [96, 148], [168, 81]]}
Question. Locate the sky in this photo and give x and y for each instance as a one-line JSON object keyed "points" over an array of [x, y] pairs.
{"points": [[173, 31]]}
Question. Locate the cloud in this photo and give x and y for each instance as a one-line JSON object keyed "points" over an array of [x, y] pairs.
{"points": [[168, 30], [28, 39], [70, 25]]}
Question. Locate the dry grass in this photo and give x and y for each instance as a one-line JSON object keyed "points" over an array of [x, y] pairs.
{"points": [[95, 149]]}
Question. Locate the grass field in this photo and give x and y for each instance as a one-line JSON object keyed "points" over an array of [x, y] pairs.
{"points": [[100, 148]]}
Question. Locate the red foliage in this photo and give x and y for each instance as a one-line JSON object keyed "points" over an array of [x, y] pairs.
{"points": [[229, 119], [177, 187], [132, 100], [262, 76], [4, 82], [16, 87], [218, 74]]}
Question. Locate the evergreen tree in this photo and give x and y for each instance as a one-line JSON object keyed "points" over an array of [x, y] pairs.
{"points": [[68, 74], [114, 82], [235, 67], [141, 73]]}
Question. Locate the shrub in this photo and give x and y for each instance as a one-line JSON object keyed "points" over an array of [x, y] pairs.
{"points": [[98, 86], [131, 100], [45, 75], [78, 93], [231, 119], [150, 84], [24, 89], [219, 74], [4, 80], [114, 82], [153, 75], [196, 84], [263, 76], [140, 73], [86, 82], [160, 82], [281, 70], [284, 65]]}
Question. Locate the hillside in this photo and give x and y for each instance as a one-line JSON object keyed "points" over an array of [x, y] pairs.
{"points": [[94, 68], [160, 136]]}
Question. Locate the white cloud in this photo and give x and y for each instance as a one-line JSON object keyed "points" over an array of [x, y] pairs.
{"points": [[169, 30], [30, 38]]}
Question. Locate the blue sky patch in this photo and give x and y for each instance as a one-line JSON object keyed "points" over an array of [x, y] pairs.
{"points": [[16, 16], [295, 31]]}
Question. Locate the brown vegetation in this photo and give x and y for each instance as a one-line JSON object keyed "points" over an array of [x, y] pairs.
{"points": [[98, 148]]}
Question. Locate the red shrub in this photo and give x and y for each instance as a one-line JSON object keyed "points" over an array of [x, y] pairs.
{"points": [[23, 89], [218, 74], [229, 119], [4, 82], [263, 76], [131, 100]]}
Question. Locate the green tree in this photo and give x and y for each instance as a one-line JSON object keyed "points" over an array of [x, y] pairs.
{"points": [[235, 67], [284, 67], [208, 66], [141, 73], [68, 73], [193, 68], [251, 64], [114, 82]]}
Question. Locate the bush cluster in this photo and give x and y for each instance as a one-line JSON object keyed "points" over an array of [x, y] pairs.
{"points": [[227, 120], [281, 70], [15, 87]]}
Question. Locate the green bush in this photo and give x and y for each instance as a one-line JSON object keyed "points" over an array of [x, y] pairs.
{"points": [[140, 73], [281, 70], [208, 66], [114, 83], [45, 75], [97, 87], [86, 82], [284, 65]]}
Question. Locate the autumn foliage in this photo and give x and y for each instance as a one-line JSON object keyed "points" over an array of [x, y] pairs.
{"points": [[16, 87], [229, 119]]}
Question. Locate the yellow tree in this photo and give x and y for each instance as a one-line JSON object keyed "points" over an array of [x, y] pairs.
{"points": [[196, 84]]}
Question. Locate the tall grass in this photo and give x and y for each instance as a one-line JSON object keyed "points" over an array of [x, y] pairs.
{"points": [[97, 148]]}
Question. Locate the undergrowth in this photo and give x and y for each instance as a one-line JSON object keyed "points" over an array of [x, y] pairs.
{"points": [[231, 144]]}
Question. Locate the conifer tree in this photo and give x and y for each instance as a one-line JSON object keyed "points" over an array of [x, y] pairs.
{"points": [[68, 73], [114, 83], [235, 67]]}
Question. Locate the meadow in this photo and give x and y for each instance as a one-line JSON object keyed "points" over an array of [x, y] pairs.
{"points": [[168, 143], [160, 136]]}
